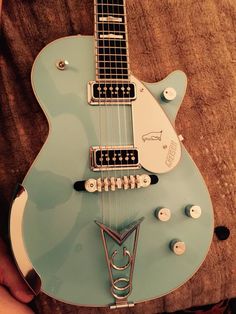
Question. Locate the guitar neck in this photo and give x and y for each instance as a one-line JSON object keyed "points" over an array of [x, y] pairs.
{"points": [[111, 40]]}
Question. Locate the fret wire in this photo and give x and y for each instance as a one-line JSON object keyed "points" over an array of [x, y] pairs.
{"points": [[112, 76], [110, 23], [115, 62], [111, 4], [109, 47], [107, 54], [114, 39], [114, 32], [110, 62], [109, 14], [119, 80], [112, 68]]}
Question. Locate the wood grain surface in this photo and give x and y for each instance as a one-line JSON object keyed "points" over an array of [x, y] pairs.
{"points": [[197, 37]]}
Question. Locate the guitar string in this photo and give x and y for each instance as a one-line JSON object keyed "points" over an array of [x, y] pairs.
{"points": [[126, 108], [115, 207], [128, 116], [131, 134], [106, 129], [118, 209], [100, 105], [121, 208], [109, 120]]}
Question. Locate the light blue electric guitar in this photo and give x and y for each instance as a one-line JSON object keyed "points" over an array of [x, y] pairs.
{"points": [[113, 211]]}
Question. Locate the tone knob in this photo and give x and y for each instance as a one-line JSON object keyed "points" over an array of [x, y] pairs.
{"points": [[163, 213], [193, 211], [178, 247], [169, 94]]}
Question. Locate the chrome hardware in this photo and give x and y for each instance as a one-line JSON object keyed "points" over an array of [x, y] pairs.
{"points": [[178, 247], [169, 94], [120, 293], [62, 64], [193, 211], [125, 253], [111, 184], [163, 214], [127, 287], [120, 304]]}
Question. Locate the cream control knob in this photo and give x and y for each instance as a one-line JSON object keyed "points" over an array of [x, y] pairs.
{"points": [[62, 64], [163, 214], [178, 247], [193, 211], [169, 94], [91, 185]]}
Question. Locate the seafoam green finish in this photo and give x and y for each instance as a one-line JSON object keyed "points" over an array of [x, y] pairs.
{"points": [[61, 238]]}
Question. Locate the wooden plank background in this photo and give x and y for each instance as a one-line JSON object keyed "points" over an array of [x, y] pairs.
{"points": [[197, 37]]}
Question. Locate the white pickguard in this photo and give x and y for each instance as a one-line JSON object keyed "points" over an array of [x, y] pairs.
{"points": [[154, 136]]}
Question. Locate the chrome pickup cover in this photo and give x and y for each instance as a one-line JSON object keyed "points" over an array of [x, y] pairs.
{"points": [[114, 158], [103, 93]]}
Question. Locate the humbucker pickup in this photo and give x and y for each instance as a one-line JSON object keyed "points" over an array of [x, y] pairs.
{"points": [[105, 93], [114, 158]]}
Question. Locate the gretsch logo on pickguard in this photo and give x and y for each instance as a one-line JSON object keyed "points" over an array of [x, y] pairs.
{"points": [[171, 154], [152, 136]]}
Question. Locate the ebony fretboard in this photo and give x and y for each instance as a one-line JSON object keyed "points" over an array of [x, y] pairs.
{"points": [[112, 61]]}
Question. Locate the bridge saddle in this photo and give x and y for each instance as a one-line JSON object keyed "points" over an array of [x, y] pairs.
{"points": [[112, 184]]}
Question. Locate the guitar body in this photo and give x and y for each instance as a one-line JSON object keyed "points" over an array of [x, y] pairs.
{"points": [[61, 238]]}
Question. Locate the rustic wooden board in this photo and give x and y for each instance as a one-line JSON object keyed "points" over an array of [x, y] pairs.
{"points": [[197, 37]]}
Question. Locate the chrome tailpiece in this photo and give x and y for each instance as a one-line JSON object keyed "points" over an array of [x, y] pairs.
{"points": [[121, 276]]}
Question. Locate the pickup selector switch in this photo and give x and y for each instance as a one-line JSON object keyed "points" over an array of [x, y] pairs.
{"points": [[193, 211], [163, 213], [177, 246], [169, 94]]}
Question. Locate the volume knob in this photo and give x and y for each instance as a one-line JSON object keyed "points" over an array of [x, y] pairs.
{"points": [[193, 211], [163, 214], [169, 94], [178, 247]]}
